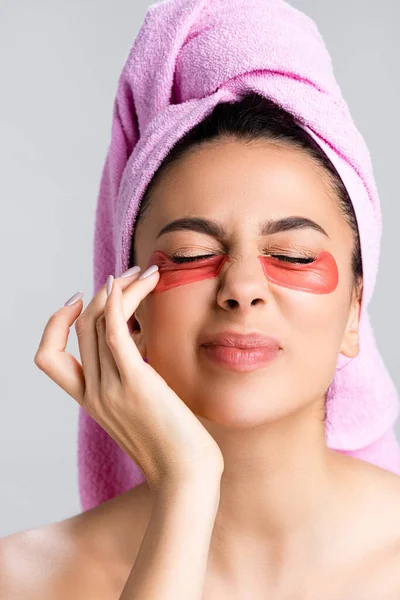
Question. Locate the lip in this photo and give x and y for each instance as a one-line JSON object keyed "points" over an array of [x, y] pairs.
{"points": [[240, 359], [238, 340], [240, 351]]}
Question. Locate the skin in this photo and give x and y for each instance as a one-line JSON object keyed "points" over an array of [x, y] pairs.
{"points": [[290, 509], [271, 518]]}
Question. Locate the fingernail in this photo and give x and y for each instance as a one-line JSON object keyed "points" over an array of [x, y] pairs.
{"points": [[74, 299], [131, 271], [109, 284], [149, 271]]}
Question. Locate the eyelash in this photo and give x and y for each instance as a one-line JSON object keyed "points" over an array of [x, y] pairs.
{"points": [[292, 259]]}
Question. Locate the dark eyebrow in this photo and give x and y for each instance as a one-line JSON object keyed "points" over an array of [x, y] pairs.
{"points": [[215, 229]]}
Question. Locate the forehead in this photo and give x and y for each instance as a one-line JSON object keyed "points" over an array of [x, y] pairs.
{"points": [[243, 183]]}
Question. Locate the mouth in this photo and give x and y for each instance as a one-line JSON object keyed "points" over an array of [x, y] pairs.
{"points": [[240, 359]]}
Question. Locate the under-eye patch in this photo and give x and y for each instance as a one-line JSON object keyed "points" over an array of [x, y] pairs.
{"points": [[318, 277]]}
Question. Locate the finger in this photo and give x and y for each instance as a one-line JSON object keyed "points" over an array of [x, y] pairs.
{"points": [[51, 358], [109, 372], [88, 342], [120, 305]]}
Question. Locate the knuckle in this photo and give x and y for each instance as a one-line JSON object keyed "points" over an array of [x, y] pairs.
{"points": [[89, 403], [112, 339], [39, 359], [110, 393], [42, 360], [81, 323], [100, 324]]}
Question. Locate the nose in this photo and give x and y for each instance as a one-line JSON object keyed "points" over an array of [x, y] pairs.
{"points": [[242, 283]]}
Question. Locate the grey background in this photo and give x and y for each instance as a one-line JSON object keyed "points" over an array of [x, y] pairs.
{"points": [[59, 64]]}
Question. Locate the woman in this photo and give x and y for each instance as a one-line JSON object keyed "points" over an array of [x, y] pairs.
{"points": [[281, 509], [242, 498]]}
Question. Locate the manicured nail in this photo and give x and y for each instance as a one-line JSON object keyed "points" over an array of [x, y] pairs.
{"points": [[74, 299], [131, 271], [109, 284], [149, 271]]}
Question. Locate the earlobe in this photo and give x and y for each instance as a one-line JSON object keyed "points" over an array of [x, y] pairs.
{"points": [[137, 336], [350, 347], [351, 343]]}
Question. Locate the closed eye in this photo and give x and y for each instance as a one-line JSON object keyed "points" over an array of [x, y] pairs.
{"points": [[293, 259]]}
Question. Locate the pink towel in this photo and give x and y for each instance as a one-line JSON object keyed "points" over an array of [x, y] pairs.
{"points": [[188, 56]]}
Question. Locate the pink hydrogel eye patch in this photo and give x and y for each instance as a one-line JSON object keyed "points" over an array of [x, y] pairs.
{"points": [[318, 277]]}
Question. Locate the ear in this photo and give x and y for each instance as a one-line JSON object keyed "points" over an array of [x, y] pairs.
{"points": [[137, 334], [350, 343]]}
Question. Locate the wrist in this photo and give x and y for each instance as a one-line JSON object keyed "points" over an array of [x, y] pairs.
{"points": [[189, 488]]}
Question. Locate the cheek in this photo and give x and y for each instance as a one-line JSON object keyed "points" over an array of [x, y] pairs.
{"points": [[171, 323], [316, 325], [319, 277], [169, 315]]}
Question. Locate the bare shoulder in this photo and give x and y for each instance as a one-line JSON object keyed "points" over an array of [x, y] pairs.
{"points": [[37, 563], [380, 511], [391, 503], [88, 555], [380, 574], [380, 491]]}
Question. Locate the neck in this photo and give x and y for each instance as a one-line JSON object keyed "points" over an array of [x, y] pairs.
{"points": [[282, 497]]}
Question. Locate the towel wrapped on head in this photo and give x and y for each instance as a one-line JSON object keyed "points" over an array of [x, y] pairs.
{"points": [[189, 56]]}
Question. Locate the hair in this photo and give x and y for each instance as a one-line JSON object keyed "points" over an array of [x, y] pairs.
{"points": [[257, 118]]}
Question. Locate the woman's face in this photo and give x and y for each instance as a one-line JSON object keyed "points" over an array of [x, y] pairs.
{"points": [[241, 186]]}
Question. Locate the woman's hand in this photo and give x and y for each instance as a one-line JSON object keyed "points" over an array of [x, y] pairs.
{"points": [[121, 392]]}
